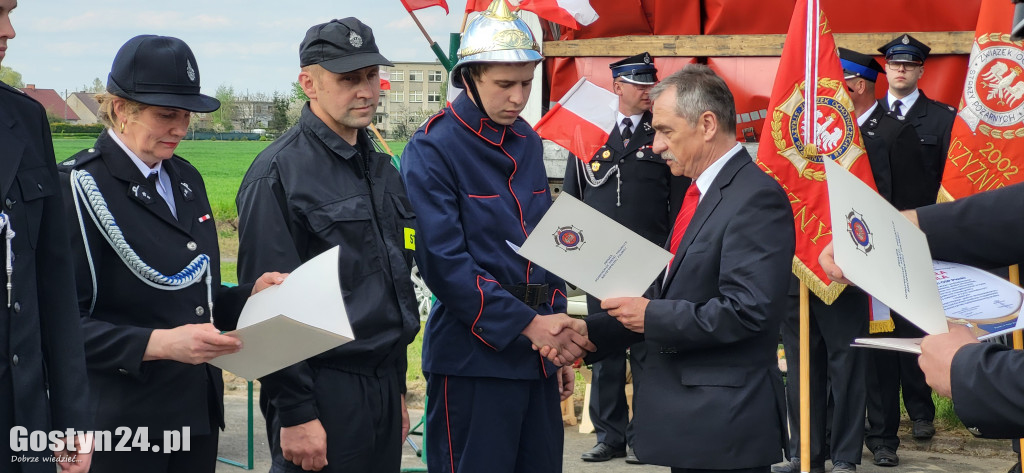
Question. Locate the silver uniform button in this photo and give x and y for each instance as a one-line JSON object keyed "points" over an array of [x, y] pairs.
{"points": [[639, 154], [191, 246], [200, 311], [122, 371]]}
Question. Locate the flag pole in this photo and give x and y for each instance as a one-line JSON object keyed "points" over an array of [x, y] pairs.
{"points": [[462, 29], [433, 44], [805, 375], [381, 139], [810, 149]]}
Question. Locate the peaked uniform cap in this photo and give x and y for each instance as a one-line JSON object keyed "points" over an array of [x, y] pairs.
{"points": [[637, 69], [859, 65], [160, 71], [341, 46], [905, 48]]}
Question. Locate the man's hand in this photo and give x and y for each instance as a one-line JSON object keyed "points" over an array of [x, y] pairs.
{"points": [[561, 347], [937, 353], [827, 260], [405, 420], [629, 311], [72, 459], [192, 344], [305, 445], [566, 381], [267, 280]]}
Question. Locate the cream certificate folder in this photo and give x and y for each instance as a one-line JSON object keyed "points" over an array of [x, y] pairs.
{"points": [[593, 252], [881, 251], [285, 324]]}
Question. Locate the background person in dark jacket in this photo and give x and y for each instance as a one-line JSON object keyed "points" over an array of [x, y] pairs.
{"points": [[147, 263], [318, 186], [43, 373]]}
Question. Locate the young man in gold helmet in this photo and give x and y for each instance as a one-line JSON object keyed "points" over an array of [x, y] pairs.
{"points": [[475, 177]]}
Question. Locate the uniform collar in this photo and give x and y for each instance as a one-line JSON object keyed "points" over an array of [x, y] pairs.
{"points": [[144, 168], [907, 101], [315, 125], [867, 114], [467, 113]]}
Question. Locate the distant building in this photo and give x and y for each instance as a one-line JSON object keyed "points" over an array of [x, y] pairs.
{"points": [[415, 95], [85, 105], [54, 105]]}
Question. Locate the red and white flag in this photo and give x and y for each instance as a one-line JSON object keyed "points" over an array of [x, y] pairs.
{"points": [[385, 80], [570, 13], [478, 5], [421, 4], [582, 121]]}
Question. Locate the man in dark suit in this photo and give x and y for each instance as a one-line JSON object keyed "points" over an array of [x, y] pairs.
{"points": [[711, 395], [982, 379], [628, 182], [43, 376], [933, 122]]}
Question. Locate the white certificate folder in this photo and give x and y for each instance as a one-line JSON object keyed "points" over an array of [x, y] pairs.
{"points": [[285, 324], [593, 252]]}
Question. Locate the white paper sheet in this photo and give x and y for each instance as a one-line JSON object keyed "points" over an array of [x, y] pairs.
{"points": [[291, 322], [881, 251], [908, 345], [593, 252]]}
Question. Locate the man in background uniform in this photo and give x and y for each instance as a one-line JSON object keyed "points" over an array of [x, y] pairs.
{"points": [[933, 122], [42, 378], [628, 182]]}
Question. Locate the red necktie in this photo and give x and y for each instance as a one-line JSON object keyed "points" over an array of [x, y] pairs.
{"points": [[684, 216]]}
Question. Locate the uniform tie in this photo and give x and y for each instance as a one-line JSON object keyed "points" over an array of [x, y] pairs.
{"points": [[684, 216], [896, 109], [627, 130], [152, 177]]}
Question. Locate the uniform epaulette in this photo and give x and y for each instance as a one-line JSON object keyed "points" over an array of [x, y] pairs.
{"points": [[79, 159], [426, 128]]}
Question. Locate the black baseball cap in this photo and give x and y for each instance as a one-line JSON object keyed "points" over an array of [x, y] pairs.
{"points": [[341, 46], [160, 71]]}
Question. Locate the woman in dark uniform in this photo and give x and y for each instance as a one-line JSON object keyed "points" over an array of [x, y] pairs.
{"points": [[147, 267]]}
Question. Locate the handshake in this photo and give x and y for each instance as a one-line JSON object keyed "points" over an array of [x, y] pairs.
{"points": [[559, 338]]}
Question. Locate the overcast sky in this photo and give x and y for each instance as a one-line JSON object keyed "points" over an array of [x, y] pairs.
{"points": [[251, 45]]}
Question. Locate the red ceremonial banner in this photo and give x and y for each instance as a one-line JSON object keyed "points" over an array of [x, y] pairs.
{"points": [[783, 153], [986, 149], [421, 4]]}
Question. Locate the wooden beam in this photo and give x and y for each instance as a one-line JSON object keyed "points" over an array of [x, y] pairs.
{"points": [[941, 42]]}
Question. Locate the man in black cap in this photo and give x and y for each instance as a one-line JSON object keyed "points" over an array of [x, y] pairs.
{"points": [[627, 181], [43, 375], [320, 185], [933, 122], [904, 177]]}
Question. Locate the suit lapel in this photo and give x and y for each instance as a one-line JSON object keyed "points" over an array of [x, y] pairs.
{"points": [[184, 197], [10, 156], [615, 140], [707, 206]]}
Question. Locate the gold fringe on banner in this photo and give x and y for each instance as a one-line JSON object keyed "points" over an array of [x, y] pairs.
{"points": [[944, 196], [827, 293], [880, 326]]}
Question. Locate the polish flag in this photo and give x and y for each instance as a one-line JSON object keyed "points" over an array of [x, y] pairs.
{"points": [[570, 13], [479, 5], [420, 4], [582, 121], [385, 80]]}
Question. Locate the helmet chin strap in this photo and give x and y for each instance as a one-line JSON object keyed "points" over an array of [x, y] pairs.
{"points": [[470, 86]]}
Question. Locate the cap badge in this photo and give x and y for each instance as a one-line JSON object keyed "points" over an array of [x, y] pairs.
{"points": [[190, 70], [355, 40], [647, 59], [905, 40]]}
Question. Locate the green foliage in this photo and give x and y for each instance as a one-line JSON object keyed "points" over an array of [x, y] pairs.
{"points": [[279, 120], [11, 77], [96, 87], [65, 128], [224, 116], [297, 92]]}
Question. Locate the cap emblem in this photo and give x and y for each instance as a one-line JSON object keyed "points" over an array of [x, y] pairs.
{"points": [[905, 40], [190, 70], [647, 59], [355, 40]]}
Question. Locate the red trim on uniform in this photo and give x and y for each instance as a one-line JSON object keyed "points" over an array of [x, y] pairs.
{"points": [[475, 196], [485, 122], [448, 423], [528, 264], [472, 328], [513, 130], [540, 191], [543, 366], [478, 133], [426, 129], [515, 167], [556, 292]]}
